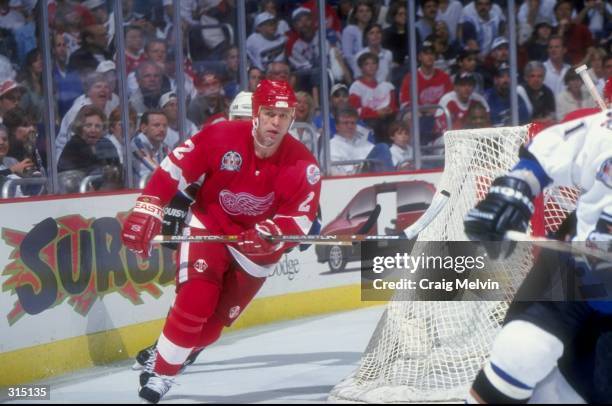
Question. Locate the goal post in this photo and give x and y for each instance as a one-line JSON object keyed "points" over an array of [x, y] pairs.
{"points": [[431, 351]]}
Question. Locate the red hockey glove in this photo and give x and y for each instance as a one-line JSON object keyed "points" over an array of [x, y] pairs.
{"points": [[142, 224], [254, 244]]}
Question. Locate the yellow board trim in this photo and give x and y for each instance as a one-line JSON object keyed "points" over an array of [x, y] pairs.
{"points": [[59, 357]]}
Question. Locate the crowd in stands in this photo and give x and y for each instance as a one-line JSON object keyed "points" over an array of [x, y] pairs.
{"points": [[463, 76]]}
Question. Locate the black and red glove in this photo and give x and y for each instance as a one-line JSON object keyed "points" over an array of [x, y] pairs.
{"points": [[257, 246], [142, 224]]}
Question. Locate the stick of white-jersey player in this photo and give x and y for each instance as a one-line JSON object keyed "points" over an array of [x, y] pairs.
{"points": [[436, 206], [583, 71], [575, 248]]}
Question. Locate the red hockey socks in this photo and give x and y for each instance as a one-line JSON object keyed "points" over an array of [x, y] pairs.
{"points": [[194, 304]]}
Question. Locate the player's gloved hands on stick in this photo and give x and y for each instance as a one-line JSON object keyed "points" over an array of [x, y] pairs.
{"points": [[174, 216], [255, 241], [142, 224], [507, 206]]}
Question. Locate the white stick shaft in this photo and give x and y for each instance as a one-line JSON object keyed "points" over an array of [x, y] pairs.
{"points": [[436, 206], [562, 246], [588, 82]]}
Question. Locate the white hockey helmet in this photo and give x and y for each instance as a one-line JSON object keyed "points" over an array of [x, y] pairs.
{"points": [[242, 106]]}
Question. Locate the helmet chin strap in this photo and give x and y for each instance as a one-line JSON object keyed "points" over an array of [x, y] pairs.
{"points": [[256, 126]]}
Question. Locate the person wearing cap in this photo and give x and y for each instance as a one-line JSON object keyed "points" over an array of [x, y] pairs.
{"points": [[339, 97], [10, 95], [432, 83], [458, 102], [500, 53], [498, 98], [265, 44], [574, 97], [271, 7], [555, 65], [302, 47]]}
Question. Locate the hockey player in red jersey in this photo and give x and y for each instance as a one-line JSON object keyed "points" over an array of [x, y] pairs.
{"points": [[256, 182]]}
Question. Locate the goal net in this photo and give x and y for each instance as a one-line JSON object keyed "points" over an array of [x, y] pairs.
{"points": [[431, 351]]}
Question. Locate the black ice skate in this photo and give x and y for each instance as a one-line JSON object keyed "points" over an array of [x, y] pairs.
{"points": [[155, 388]]}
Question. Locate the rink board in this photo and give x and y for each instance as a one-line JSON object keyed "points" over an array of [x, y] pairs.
{"points": [[73, 297]]}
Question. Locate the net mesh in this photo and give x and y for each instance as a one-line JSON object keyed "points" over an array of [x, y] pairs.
{"points": [[431, 351]]}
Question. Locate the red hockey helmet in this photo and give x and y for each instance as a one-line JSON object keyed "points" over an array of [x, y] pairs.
{"points": [[608, 91], [274, 94]]}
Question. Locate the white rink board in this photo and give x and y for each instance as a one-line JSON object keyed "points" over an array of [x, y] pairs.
{"points": [[301, 271]]}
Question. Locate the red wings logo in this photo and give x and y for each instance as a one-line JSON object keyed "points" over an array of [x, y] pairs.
{"points": [[245, 203]]}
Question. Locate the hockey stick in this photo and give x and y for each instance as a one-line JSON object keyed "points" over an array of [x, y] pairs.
{"points": [[437, 204], [561, 246], [588, 82]]}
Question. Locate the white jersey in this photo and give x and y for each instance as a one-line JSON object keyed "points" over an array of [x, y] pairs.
{"points": [[261, 51], [578, 153]]}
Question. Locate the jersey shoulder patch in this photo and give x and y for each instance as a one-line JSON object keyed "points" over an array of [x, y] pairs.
{"points": [[604, 173]]}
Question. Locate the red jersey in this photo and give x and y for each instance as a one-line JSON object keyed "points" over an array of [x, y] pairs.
{"points": [[238, 188], [430, 90]]}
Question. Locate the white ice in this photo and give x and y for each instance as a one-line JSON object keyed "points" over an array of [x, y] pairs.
{"points": [[291, 362]]}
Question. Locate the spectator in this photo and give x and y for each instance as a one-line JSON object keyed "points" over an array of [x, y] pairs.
{"points": [[10, 19], [33, 98], [134, 43], [348, 144], [150, 87], [169, 105], [376, 102], [352, 34], [98, 11], [467, 61], [402, 153], [446, 51], [302, 49], [10, 167], [498, 99], [156, 51], [555, 65], [373, 40], [265, 45], [255, 75], [209, 101], [576, 37], [458, 102], [450, 11], [477, 117], [339, 97], [10, 95], [574, 97], [230, 79], [115, 130], [432, 83], [595, 60], [67, 85], [499, 55], [529, 14], [23, 139], [304, 112], [280, 71], [395, 37], [89, 152], [92, 51], [483, 26], [109, 70], [540, 99], [270, 6], [598, 13], [97, 93], [71, 19], [425, 24], [537, 45], [148, 145]]}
